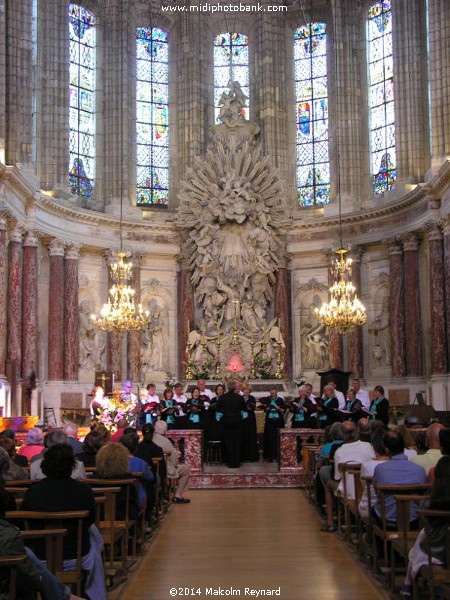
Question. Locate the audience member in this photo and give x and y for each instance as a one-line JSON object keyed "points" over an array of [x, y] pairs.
{"points": [[53, 438], [433, 453], [34, 443], [364, 430], [14, 472], [91, 445], [148, 450], [396, 471], [444, 441], [71, 430], [368, 468], [4, 466], [408, 439], [138, 465], [175, 470], [102, 429], [21, 461], [122, 424], [113, 463], [59, 492]]}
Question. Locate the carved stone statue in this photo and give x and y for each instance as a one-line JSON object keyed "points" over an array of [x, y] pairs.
{"points": [[315, 347], [231, 210], [155, 340], [91, 348], [380, 328]]}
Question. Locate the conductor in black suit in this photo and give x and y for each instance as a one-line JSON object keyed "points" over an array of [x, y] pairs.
{"points": [[230, 405]]}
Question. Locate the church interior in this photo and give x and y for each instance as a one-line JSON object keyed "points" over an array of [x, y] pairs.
{"points": [[207, 168]]}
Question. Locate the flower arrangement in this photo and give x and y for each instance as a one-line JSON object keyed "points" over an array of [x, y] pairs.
{"points": [[264, 368], [170, 381], [299, 380], [117, 408], [201, 368]]}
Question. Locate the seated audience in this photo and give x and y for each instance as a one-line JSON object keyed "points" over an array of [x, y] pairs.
{"points": [[396, 471], [432, 537], [112, 463], [59, 492], [102, 429], [91, 445], [351, 451], [433, 453], [131, 441], [147, 450], [32, 575], [53, 438], [14, 472], [4, 466], [174, 469], [34, 443], [71, 430], [364, 430], [368, 468], [444, 441], [122, 424], [21, 461]]}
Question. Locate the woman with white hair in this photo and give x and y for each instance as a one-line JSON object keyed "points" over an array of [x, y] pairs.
{"points": [[34, 444]]}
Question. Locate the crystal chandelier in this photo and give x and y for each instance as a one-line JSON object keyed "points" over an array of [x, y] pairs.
{"points": [[344, 309], [120, 313]]}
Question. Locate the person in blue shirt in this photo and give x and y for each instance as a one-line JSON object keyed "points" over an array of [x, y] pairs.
{"points": [[396, 471]]}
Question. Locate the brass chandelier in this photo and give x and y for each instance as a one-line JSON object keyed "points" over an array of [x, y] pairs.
{"points": [[344, 310], [120, 313]]}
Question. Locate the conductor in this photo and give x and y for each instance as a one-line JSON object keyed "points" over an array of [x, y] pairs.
{"points": [[230, 405]]}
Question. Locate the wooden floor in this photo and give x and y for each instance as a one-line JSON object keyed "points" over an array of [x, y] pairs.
{"points": [[257, 539]]}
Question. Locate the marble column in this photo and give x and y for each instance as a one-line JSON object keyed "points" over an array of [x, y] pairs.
{"points": [[134, 337], [56, 312], [114, 340], [3, 294], [355, 336], [335, 338], [446, 225], [14, 348], [30, 306], [71, 329], [397, 310], [282, 303], [437, 302], [185, 312], [413, 329]]}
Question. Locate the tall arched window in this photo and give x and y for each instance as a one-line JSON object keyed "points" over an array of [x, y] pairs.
{"points": [[230, 64], [82, 101], [152, 117], [311, 106], [381, 97]]}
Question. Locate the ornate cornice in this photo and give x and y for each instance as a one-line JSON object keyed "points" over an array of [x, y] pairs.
{"points": [[14, 179]]}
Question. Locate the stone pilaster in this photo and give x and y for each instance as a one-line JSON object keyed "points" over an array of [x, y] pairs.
{"points": [[134, 337], [282, 304], [446, 227], [14, 351], [335, 338], [413, 329], [53, 110], [71, 331], [355, 336], [439, 78], [30, 306], [185, 312], [411, 100], [3, 294], [437, 302], [18, 81], [56, 312], [397, 310], [345, 99]]}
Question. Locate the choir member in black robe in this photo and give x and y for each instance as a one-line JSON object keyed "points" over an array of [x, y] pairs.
{"points": [[231, 405], [274, 409], [250, 450]]}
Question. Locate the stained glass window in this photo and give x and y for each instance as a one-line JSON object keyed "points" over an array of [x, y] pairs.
{"points": [[82, 101], [230, 64], [152, 117], [311, 106], [381, 97]]}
